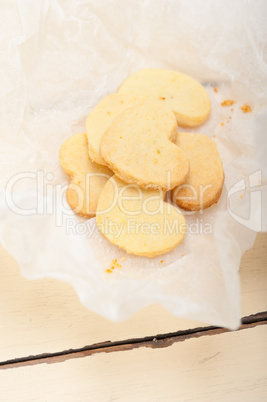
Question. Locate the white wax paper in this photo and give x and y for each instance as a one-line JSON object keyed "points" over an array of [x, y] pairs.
{"points": [[57, 60]]}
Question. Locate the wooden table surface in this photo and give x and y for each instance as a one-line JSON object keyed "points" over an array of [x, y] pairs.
{"points": [[53, 349]]}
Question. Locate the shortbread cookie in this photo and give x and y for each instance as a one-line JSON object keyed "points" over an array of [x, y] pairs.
{"points": [[139, 221], [102, 116], [204, 183], [138, 147], [186, 97], [87, 177]]}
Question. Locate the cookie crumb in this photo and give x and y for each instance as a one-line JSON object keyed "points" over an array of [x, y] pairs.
{"points": [[222, 124], [228, 102], [161, 97], [246, 108], [109, 271], [161, 261], [182, 255], [114, 264], [158, 151], [241, 196], [215, 90]]}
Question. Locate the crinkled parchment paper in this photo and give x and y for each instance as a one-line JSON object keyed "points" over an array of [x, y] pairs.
{"points": [[57, 60]]}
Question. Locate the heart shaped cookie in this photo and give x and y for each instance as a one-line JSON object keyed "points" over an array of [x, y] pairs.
{"points": [[204, 183], [186, 97], [87, 177], [139, 221], [102, 116], [138, 147]]}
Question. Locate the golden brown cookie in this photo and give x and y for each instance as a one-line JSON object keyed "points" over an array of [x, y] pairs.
{"points": [[204, 183], [139, 221], [138, 147], [87, 177], [186, 97], [102, 116]]}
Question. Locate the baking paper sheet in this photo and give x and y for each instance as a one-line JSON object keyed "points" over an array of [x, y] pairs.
{"points": [[57, 60]]}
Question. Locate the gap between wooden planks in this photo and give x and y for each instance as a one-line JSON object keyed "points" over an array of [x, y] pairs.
{"points": [[46, 315], [35, 314], [158, 341]]}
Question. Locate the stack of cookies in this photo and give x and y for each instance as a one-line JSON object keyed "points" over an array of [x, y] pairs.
{"points": [[132, 154]]}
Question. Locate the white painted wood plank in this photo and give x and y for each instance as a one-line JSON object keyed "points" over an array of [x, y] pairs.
{"points": [[225, 367], [46, 315]]}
